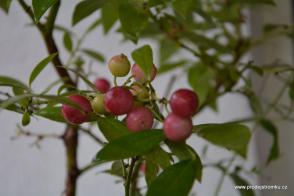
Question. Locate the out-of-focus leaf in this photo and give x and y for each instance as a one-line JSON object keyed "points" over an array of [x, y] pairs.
{"points": [[67, 41], [39, 67], [9, 81], [6, 103], [268, 126], [144, 58], [94, 55], [5, 5], [112, 128], [184, 8], [41, 6], [51, 113], [176, 180], [232, 136], [109, 14], [159, 157], [151, 171], [167, 49], [116, 169], [25, 119], [130, 145], [171, 66], [85, 8], [133, 20], [253, 2]]}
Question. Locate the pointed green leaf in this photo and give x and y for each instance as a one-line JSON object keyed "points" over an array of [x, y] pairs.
{"points": [[5, 5], [159, 157], [85, 8], [37, 70], [109, 14], [144, 58], [8, 81], [51, 113], [130, 145], [94, 55], [41, 6], [67, 41], [112, 128], [232, 136], [176, 180]]}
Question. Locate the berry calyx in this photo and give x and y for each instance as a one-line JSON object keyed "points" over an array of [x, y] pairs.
{"points": [[139, 91], [176, 128], [73, 115], [119, 65], [140, 76], [184, 103], [98, 104], [139, 119], [102, 85], [118, 100]]}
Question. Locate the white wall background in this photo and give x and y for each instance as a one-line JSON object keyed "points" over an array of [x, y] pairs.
{"points": [[33, 172]]}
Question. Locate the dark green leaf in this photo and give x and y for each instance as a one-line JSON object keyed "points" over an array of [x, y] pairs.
{"points": [[144, 58], [273, 130], [85, 8], [176, 180], [269, 2], [229, 135], [41, 6], [112, 128], [130, 145], [94, 54], [241, 182], [133, 20], [67, 41], [184, 8], [25, 119], [51, 112], [5, 5], [159, 157], [151, 171], [109, 14], [8, 81], [167, 49], [171, 66], [37, 70]]}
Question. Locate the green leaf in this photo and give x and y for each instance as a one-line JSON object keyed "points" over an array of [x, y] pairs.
{"points": [[6, 103], [273, 130], [229, 135], [184, 152], [130, 145], [151, 171], [176, 180], [25, 119], [167, 49], [94, 55], [51, 113], [112, 128], [8, 81], [5, 5], [144, 58], [171, 66], [133, 20], [85, 8], [37, 70], [249, 2], [241, 182], [82, 76], [41, 6], [116, 169], [109, 14], [67, 41], [184, 8], [159, 157]]}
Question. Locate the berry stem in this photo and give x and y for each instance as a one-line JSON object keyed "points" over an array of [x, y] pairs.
{"points": [[129, 177]]}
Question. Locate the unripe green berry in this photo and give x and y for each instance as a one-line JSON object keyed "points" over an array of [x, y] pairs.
{"points": [[119, 65], [98, 104]]}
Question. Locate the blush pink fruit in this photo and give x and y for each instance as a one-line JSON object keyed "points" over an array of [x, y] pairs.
{"points": [[102, 85], [184, 103], [73, 115], [176, 128], [139, 119], [118, 100], [139, 74]]}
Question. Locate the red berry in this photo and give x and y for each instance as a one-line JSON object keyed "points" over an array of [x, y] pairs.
{"points": [[184, 103], [118, 100], [119, 65], [176, 128], [139, 74], [73, 115], [139, 119], [102, 85]]}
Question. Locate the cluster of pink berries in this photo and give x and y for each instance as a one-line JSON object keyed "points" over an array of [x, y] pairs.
{"points": [[125, 100]]}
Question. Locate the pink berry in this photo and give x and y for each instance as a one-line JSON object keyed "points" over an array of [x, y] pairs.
{"points": [[118, 100], [139, 119], [139, 74], [184, 103], [73, 115], [176, 128], [102, 85]]}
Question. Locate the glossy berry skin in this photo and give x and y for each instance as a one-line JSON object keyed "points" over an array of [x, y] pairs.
{"points": [[176, 128], [102, 85], [118, 100], [119, 65], [139, 74], [184, 103], [139, 119], [73, 115], [98, 104]]}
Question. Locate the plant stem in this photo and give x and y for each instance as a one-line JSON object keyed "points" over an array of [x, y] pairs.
{"points": [[129, 177]]}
